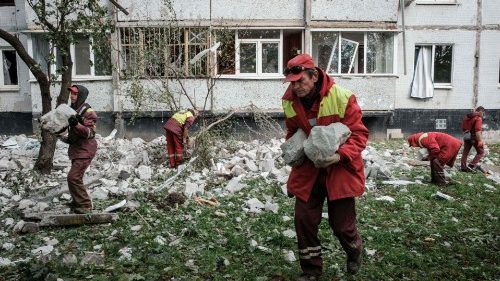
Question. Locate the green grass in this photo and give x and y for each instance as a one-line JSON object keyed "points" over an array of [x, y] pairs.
{"points": [[418, 237]]}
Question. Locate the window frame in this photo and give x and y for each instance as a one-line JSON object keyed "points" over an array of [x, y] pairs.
{"points": [[365, 42], [258, 42], [53, 65], [436, 2], [4, 87], [433, 53]]}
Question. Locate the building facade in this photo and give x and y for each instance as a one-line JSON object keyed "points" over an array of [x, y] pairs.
{"points": [[414, 65]]}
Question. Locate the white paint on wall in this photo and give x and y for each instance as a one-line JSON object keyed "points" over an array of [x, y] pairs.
{"points": [[196, 89], [460, 96], [355, 10], [489, 68], [491, 12], [7, 17], [257, 9], [100, 95], [463, 13], [158, 10]]}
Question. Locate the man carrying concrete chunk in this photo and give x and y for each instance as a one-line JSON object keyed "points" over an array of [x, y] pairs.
{"points": [[313, 99], [82, 147]]}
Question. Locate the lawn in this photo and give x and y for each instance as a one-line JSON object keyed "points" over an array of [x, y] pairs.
{"points": [[416, 237]]}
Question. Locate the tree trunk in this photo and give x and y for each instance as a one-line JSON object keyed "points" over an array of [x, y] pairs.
{"points": [[48, 144]]}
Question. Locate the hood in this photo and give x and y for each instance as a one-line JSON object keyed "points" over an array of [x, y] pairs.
{"points": [[82, 97], [413, 139], [473, 115], [326, 83]]}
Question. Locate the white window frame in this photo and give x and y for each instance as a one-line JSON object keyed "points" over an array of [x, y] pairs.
{"points": [[365, 39], [258, 50], [53, 65], [441, 85], [8, 87], [436, 2]]}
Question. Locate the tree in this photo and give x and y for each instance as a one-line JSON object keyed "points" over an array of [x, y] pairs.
{"points": [[64, 22]]}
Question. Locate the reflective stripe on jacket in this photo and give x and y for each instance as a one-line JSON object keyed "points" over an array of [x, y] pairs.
{"points": [[343, 179]]}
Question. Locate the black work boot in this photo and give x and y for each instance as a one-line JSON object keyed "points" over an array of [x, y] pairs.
{"points": [[353, 265]]}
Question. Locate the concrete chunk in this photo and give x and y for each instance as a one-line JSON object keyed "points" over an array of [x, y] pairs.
{"points": [[57, 119], [323, 141], [293, 148]]}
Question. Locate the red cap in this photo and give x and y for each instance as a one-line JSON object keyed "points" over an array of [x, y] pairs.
{"points": [[302, 60], [73, 89]]}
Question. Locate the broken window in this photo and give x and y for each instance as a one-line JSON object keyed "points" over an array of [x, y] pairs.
{"points": [[9, 67], [41, 51], [226, 52], [91, 57], [163, 51], [380, 52], [354, 52], [82, 60], [440, 64]]}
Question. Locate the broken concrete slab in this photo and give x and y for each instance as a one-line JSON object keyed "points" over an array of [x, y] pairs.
{"points": [[323, 141], [57, 119], [293, 148]]}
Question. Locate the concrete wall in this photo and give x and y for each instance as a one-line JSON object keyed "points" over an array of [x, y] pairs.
{"points": [[489, 67], [354, 10], [460, 96], [8, 17], [221, 9], [100, 95], [463, 13], [196, 89], [372, 93], [491, 12]]}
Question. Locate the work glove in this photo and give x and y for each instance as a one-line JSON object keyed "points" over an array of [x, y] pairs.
{"points": [[323, 163], [73, 121], [480, 143]]}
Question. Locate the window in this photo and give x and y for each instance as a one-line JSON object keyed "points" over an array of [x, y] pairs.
{"points": [[440, 62], [91, 57], [4, 3], [258, 52], [354, 52], [163, 51], [9, 69]]}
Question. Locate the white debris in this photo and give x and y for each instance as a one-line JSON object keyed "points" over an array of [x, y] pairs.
{"points": [[385, 198], [191, 189], [271, 207], [25, 203], [254, 205], [44, 250], [234, 185], [289, 233], [8, 246], [11, 143], [144, 172], [115, 206], [160, 240], [99, 194], [69, 259], [293, 148], [489, 186], [443, 196], [370, 252], [398, 182], [422, 154], [5, 262], [136, 227], [126, 253], [289, 256]]}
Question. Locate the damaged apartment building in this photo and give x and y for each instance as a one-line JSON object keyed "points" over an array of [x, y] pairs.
{"points": [[414, 65]]}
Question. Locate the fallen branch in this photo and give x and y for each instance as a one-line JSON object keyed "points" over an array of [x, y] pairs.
{"points": [[214, 123], [211, 202], [170, 180], [77, 219]]}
